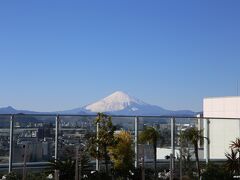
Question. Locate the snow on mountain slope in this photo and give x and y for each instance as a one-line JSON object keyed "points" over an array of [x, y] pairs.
{"points": [[115, 102], [120, 103]]}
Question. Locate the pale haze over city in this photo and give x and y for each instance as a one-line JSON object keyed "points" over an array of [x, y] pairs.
{"points": [[57, 55]]}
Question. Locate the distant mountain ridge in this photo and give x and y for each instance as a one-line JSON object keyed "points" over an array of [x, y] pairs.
{"points": [[118, 103], [11, 110]]}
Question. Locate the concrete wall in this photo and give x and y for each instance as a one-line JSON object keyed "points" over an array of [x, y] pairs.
{"points": [[222, 131]]}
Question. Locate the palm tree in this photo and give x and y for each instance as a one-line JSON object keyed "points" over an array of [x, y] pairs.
{"points": [[232, 161], [151, 135], [66, 168], [193, 135], [235, 145], [185, 155]]}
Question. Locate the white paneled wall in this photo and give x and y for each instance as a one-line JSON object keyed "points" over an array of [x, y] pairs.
{"points": [[222, 131]]}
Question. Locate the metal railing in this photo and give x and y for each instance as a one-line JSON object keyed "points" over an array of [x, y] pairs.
{"points": [[55, 131]]}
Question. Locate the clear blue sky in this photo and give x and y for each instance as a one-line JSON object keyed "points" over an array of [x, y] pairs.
{"points": [[57, 55]]}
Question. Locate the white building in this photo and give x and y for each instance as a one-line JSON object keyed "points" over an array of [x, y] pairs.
{"points": [[221, 131], [163, 152]]}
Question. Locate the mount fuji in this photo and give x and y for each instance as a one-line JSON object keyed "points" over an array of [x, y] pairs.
{"points": [[118, 103], [121, 103]]}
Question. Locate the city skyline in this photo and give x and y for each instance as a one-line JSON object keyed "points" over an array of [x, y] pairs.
{"points": [[59, 55]]}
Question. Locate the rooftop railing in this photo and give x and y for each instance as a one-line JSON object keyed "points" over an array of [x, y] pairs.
{"points": [[35, 139]]}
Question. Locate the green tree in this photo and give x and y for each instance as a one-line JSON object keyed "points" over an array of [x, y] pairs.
{"points": [[232, 162], [99, 143], [193, 135], [12, 176], [235, 146], [66, 168], [122, 153], [151, 135], [216, 172], [83, 156], [37, 176]]}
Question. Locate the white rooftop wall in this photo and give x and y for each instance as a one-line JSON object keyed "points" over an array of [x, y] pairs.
{"points": [[222, 131]]}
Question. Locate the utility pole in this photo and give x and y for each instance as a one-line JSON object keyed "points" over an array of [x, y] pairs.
{"points": [[173, 127], [136, 142], [56, 172], [97, 160], [80, 165], [76, 163], [24, 162], [11, 144], [181, 160], [143, 163]]}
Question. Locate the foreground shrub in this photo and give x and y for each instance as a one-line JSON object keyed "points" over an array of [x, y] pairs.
{"points": [[216, 172]]}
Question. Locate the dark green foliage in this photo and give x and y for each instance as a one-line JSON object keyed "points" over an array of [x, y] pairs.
{"points": [[232, 162], [216, 172], [12, 176], [137, 174], [70, 152], [30, 176], [37, 176], [233, 158], [149, 174], [66, 168], [99, 176]]}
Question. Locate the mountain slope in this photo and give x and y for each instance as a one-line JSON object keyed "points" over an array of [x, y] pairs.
{"points": [[118, 103], [115, 102]]}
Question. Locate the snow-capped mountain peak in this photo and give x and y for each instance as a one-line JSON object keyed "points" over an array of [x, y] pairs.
{"points": [[118, 103], [115, 102]]}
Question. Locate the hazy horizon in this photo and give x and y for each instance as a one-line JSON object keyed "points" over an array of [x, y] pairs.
{"points": [[80, 106]]}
